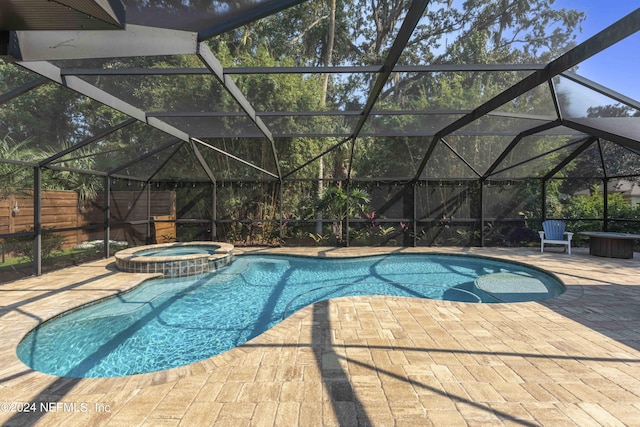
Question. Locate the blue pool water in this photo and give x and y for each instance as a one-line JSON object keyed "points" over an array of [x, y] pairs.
{"points": [[165, 323], [178, 250]]}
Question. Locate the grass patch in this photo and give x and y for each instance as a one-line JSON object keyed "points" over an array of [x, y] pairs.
{"points": [[20, 266]]}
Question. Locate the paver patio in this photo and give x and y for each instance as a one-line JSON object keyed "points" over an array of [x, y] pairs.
{"points": [[381, 361]]}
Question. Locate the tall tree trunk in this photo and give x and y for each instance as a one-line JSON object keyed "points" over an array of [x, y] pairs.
{"points": [[328, 54], [325, 88]]}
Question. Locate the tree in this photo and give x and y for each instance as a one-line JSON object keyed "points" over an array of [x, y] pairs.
{"points": [[321, 33], [617, 159]]}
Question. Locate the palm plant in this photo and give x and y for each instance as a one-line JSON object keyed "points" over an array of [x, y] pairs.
{"points": [[338, 204], [14, 177], [87, 186]]}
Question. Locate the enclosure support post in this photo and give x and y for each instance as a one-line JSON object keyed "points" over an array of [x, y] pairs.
{"points": [[415, 214], [148, 239], [605, 204], [281, 224], [107, 215], [214, 207], [37, 219], [346, 220], [543, 194], [482, 213]]}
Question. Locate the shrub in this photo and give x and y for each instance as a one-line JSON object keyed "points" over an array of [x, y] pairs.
{"points": [[22, 246]]}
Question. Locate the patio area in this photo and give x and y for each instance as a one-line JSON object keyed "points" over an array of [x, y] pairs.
{"points": [[380, 361]]}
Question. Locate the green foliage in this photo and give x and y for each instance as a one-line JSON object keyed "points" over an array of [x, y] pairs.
{"points": [[478, 31], [337, 204], [22, 246], [318, 238], [16, 179], [374, 235], [592, 206], [385, 235], [50, 118]]}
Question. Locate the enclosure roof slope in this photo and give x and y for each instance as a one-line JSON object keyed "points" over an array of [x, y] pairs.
{"points": [[209, 96], [61, 15], [206, 18]]}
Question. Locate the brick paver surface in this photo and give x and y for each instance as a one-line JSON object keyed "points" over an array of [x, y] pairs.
{"points": [[381, 361]]}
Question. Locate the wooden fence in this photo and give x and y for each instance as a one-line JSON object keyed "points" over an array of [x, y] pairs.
{"points": [[60, 210]]}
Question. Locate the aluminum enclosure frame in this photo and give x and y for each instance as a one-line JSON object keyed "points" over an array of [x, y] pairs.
{"points": [[35, 52]]}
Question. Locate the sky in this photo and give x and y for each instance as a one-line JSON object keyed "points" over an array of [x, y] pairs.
{"points": [[618, 67]]}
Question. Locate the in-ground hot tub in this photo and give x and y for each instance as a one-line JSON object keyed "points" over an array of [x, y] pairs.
{"points": [[175, 259]]}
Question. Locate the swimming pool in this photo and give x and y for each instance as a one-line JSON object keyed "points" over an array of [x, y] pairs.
{"points": [[166, 323]]}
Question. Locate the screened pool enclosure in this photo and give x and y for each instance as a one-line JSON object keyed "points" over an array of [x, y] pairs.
{"points": [[337, 122]]}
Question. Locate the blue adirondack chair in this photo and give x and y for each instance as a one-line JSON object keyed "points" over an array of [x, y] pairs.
{"points": [[553, 233]]}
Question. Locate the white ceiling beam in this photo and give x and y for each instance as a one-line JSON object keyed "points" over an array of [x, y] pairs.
{"points": [[136, 40]]}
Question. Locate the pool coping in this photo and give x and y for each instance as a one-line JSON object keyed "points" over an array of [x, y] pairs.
{"points": [[174, 266]]}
